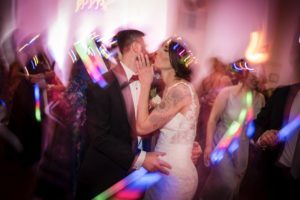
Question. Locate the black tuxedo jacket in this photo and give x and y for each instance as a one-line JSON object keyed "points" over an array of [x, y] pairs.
{"points": [[23, 123], [109, 155], [275, 114]]}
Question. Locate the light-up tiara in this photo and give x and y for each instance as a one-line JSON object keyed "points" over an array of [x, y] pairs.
{"points": [[180, 47]]}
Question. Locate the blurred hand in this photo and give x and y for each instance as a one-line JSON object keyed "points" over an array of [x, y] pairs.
{"points": [[268, 139], [206, 157], [49, 74], [35, 78], [196, 152], [42, 84], [153, 163], [210, 97], [50, 87]]}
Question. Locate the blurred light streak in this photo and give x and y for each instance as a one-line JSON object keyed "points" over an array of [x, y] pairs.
{"points": [[33, 64], [29, 43], [37, 102], [290, 129], [26, 71], [86, 28], [138, 187], [250, 129], [128, 194], [241, 65], [252, 52], [97, 56], [95, 67], [73, 56], [234, 145], [247, 67], [36, 60], [2, 103], [230, 140], [121, 184], [57, 40], [223, 145], [108, 55], [50, 112], [59, 37], [237, 68], [217, 155]]}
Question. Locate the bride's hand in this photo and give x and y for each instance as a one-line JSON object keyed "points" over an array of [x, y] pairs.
{"points": [[144, 69]]}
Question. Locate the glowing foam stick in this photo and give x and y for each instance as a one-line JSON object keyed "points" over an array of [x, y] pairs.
{"points": [[234, 145], [97, 56], [217, 155], [230, 140], [108, 55], [37, 102], [136, 189], [250, 129], [121, 184], [91, 67], [290, 129], [219, 151]]}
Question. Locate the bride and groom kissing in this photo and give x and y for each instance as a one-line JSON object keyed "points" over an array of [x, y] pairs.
{"points": [[116, 116]]}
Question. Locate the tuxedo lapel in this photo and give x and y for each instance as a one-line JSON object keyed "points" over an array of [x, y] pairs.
{"points": [[126, 93], [295, 170]]}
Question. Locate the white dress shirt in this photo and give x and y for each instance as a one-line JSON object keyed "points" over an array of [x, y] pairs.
{"points": [[135, 89]]}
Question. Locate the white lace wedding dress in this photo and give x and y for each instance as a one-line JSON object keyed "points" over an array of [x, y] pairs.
{"points": [[176, 139]]}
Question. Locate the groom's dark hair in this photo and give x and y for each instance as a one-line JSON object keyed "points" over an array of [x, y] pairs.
{"points": [[125, 38]]}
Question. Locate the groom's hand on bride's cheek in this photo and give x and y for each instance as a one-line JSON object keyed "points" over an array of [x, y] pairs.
{"points": [[153, 163]]}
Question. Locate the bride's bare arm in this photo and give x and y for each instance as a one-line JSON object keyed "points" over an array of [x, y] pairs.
{"points": [[174, 101]]}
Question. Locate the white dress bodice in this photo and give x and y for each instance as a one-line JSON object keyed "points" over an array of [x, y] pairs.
{"points": [[176, 140]]}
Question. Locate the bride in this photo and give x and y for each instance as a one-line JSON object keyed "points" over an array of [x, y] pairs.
{"points": [[175, 116]]}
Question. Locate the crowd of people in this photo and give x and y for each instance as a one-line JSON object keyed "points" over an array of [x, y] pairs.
{"points": [[83, 138]]}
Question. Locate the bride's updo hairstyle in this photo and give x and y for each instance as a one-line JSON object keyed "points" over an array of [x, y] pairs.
{"points": [[181, 58]]}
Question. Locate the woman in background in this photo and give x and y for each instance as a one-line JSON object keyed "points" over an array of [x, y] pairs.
{"points": [[224, 180]]}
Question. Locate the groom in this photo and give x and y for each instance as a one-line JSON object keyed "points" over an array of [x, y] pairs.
{"points": [[110, 125]]}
